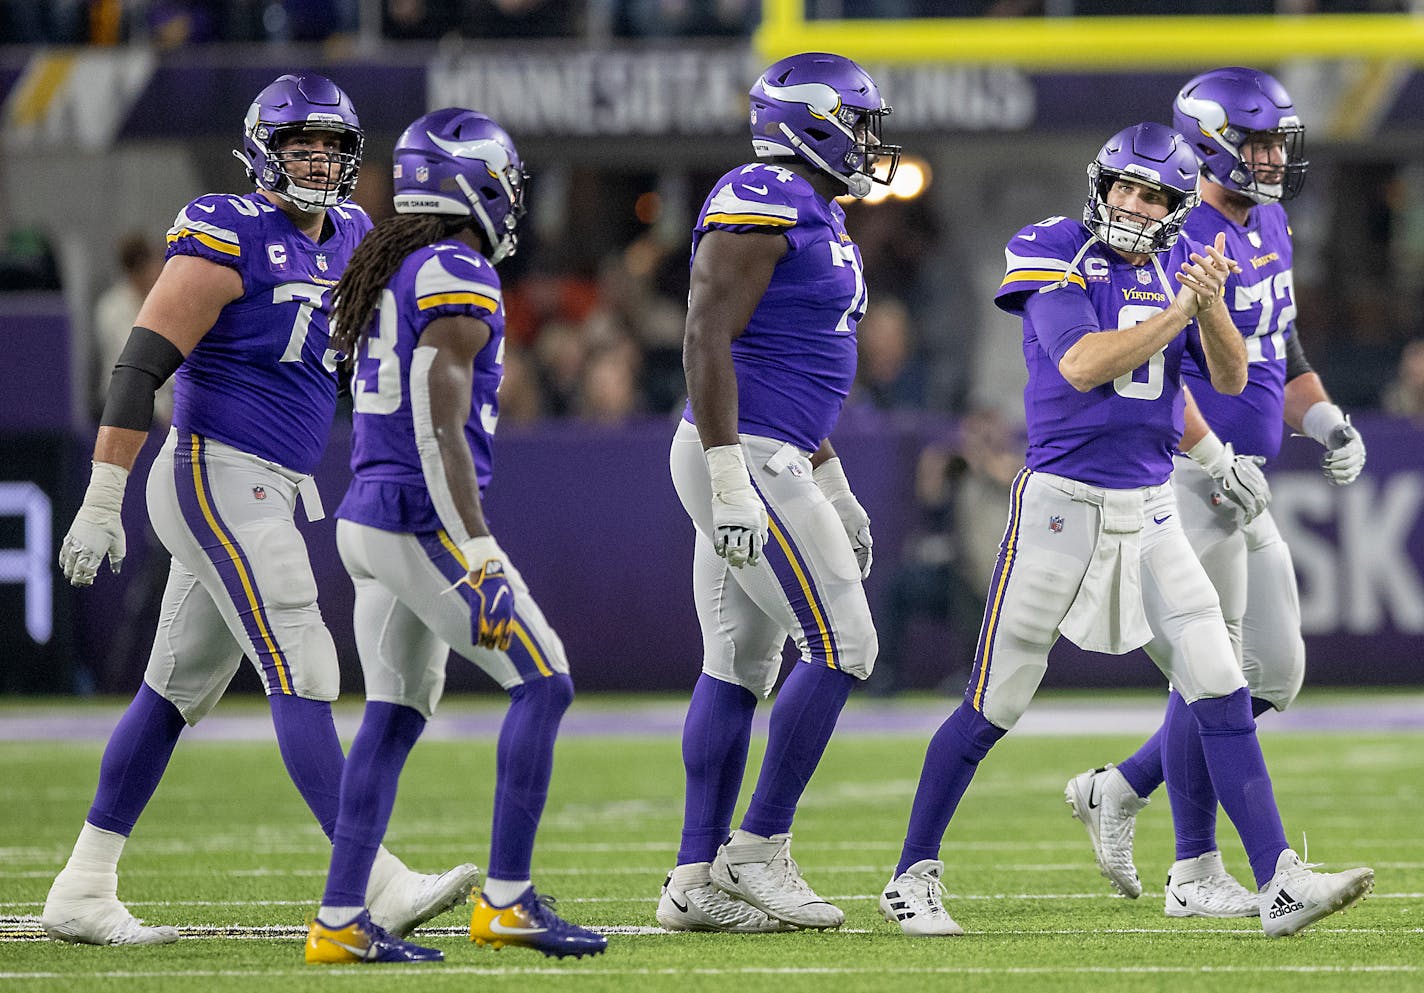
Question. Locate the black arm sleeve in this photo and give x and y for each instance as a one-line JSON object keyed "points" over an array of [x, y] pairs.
{"points": [[144, 365], [1296, 364]]}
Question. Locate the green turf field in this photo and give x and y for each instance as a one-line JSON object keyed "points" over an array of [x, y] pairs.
{"points": [[228, 852]]}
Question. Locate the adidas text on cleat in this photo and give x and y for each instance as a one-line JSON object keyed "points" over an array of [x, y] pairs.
{"points": [[762, 872], [915, 900], [530, 922], [362, 941], [83, 907], [1296, 897], [691, 903], [412, 898], [1108, 807], [1201, 887]]}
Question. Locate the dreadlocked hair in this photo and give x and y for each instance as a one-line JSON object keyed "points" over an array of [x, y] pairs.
{"points": [[371, 267]]}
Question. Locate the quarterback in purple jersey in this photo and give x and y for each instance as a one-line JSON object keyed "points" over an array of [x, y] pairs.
{"points": [[782, 545], [1094, 549], [240, 312], [421, 314], [1245, 131]]}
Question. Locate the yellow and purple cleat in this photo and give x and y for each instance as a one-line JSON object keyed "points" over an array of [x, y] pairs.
{"points": [[530, 922], [362, 941]]}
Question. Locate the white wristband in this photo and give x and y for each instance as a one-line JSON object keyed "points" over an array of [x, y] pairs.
{"points": [[728, 468], [106, 486], [1208, 452], [478, 551], [831, 478], [1321, 419]]}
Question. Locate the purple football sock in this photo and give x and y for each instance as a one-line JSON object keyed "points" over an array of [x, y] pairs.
{"points": [[951, 759], [134, 760], [306, 737], [1239, 776], [523, 765], [368, 793], [715, 737], [1143, 768], [802, 719], [1189, 788]]}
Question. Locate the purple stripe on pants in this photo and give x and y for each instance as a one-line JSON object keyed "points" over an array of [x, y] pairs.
{"points": [[200, 513], [797, 582]]}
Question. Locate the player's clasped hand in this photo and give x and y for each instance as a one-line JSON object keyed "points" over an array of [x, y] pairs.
{"points": [[1204, 277], [98, 529]]}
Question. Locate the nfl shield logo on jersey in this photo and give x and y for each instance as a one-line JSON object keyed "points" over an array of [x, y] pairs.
{"points": [[1143, 276], [259, 493], [321, 262], [1055, 524]]}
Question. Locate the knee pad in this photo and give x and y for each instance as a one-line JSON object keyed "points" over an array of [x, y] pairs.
{"points": [[310, 653], [1278, 679], [858, 650], [1203, 663]]}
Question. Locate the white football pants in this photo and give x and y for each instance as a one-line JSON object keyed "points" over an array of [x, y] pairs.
{"points": [[1251, 568], [1053, 530], [408, 618], [240, 582], [806, 584]]}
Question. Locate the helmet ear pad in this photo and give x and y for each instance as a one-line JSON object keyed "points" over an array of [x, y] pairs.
{"points": [[301, 103], [461, 163]]}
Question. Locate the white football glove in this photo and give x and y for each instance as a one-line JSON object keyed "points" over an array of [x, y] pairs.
{"points": [[1239, 478], [739, 521], [98, 529], [1344, 448], [831, 478]]}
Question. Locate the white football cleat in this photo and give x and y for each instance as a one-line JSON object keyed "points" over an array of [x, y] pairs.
{"points": [[84, 907], [1296, 898], [762, 872], [412, 898], [691, 903], [1108, 807], [914, 900], [1201, 887]]}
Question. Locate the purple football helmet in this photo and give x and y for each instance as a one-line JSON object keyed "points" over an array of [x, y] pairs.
{"points": [[301, 103], [827, 110], [1222, 110], [460, 162], [1147, 153]]}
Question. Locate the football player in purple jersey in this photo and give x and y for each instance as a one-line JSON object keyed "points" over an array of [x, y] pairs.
{"points": [[1245, 131], [421, 313], [782, 545], [240, 313], [1094, 549]]}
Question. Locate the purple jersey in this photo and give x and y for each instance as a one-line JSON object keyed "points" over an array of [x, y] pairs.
{"points": [[261, 379], [388, 488], [796, 360], [1261, 299], [1119, 435]]}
